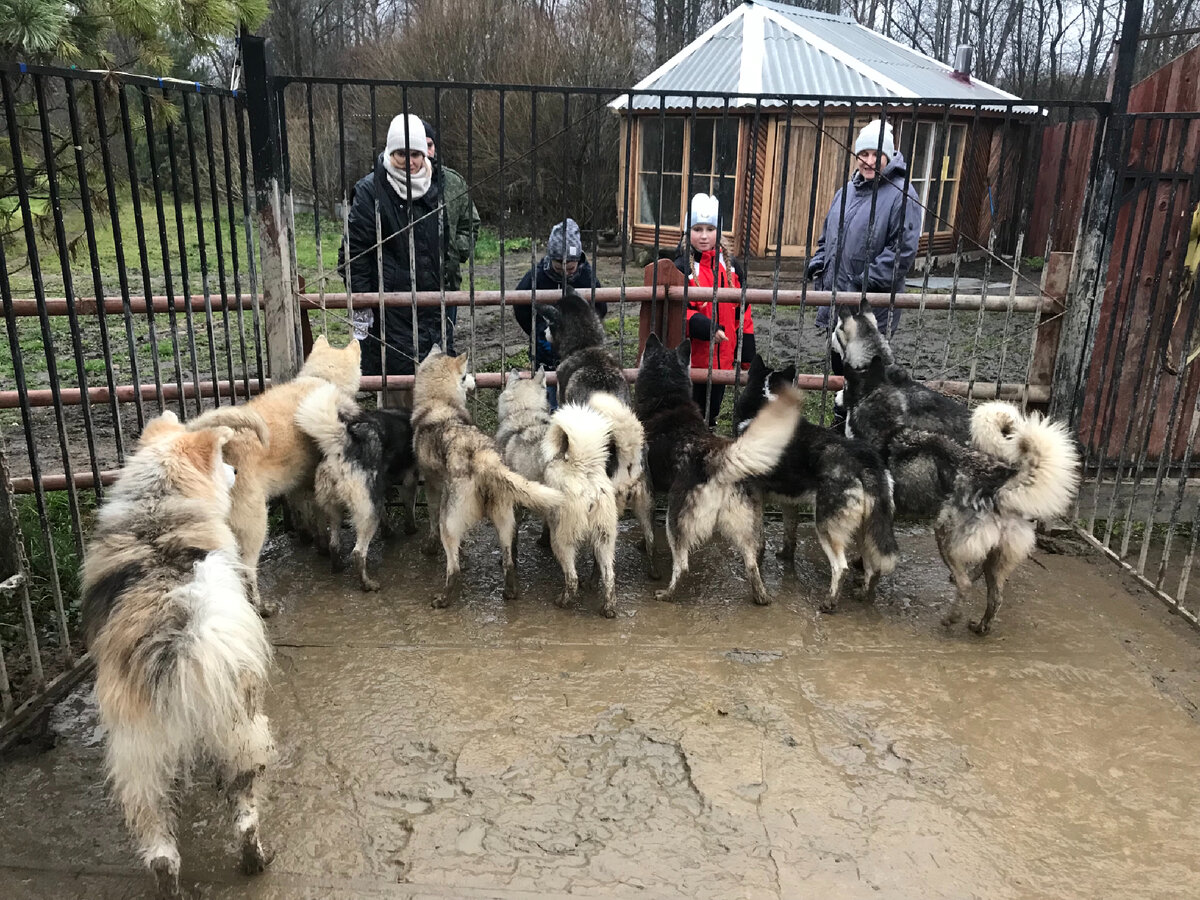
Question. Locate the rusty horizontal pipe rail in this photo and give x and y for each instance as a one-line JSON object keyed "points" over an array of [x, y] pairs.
{"points": [[1024, 303], [126, 393]]}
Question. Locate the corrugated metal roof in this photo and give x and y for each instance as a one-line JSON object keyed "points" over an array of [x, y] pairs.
{"points": [[791, 66], [769, 48], [714, 66]]}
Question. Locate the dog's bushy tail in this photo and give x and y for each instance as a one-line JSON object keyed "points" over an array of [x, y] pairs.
{"points": [[579, 436], [879, 539], [760, 447], [530, 494], [239, 418], [195, 658], [628, 438], [1042, 452], [317, 415]]}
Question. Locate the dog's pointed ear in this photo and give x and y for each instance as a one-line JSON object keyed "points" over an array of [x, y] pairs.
{"points": [[684, 353], [789, 374], [320, 342], [540, 377], [201, 449], [514, 375], [758, 368], [844, 312], [653, 341], [434, 351], [549, 312], [864, 306]]}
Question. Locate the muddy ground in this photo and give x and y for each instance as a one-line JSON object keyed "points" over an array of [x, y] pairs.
{"points": [[707, 748]]}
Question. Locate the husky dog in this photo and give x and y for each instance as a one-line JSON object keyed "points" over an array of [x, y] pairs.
{"points": [[577, 335], [843, 478], [709, 478], [587, 368], [576, 449], [523, 414], [280, 459], [181, 655], [465, 478], [1018, 469], [880, 396], [363, 453]]}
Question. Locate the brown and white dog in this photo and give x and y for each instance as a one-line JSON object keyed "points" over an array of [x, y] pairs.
{"points": [[181, 655], [282, 459]]}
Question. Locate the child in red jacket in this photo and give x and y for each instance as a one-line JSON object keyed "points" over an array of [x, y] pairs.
{"points": [[706, 264]]}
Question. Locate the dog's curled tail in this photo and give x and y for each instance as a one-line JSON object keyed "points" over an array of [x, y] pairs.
{"points": [[578, 435], [1042, 452], [239, 418], [628, 438], [317, 416], [879, 542], [761, 445]]}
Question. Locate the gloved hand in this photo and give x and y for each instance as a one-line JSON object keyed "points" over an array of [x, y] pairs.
{"points": [[545, 351], [814, 270]]}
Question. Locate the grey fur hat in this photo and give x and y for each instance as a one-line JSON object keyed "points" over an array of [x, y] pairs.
{"points": [[565, 242]]}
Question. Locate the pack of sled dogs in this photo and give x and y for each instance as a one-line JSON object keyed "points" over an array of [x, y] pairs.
{"points": [[171, 600]]}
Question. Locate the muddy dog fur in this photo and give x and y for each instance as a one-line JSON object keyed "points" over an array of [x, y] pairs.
{"points": [[588, 368], [364, 453], [576, 448], [709, 479], [280, 462], [465, 478], [843, 478], [181, 655]]}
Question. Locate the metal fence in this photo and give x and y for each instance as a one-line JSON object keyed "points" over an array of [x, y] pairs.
{"points": [[174, 246]]}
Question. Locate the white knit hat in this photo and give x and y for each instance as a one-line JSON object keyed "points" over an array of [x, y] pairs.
{"points": [[706, 210], [868, 139], [416, 135]]}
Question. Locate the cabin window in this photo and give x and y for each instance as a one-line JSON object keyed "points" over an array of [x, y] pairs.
{"points": [[709, 145], [935, 157]]}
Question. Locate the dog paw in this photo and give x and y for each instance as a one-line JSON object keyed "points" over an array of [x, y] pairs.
{"points": [[609, 611], [336, 564], [666, 595], [431, 546], [563, 600], [440, 601], [410, 528], [786, 553], [369, 584], [981, 627], [267, 608], [653, 573], [951, 617], [254, 858], [762, 600], [828, 605], [166, 877]]}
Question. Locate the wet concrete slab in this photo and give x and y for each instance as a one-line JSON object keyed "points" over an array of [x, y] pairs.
{"points": [[706, 748]]}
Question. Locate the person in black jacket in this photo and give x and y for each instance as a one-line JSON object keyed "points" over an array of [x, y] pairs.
{"points": [[410, 192], [566, 262]]}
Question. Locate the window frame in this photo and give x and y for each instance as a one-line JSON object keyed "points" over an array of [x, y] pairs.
{"points": [[690, 175]]}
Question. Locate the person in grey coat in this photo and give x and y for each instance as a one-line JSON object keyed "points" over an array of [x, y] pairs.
{"points": [[864, 255]]}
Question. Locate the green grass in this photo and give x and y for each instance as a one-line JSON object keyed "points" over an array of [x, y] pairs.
{"points": [[487, 246], [66, 558]]}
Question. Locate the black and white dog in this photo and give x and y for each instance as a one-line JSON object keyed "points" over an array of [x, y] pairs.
{"points": [[843, 478], [710, 480], [983, 477], [364, 452]]}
